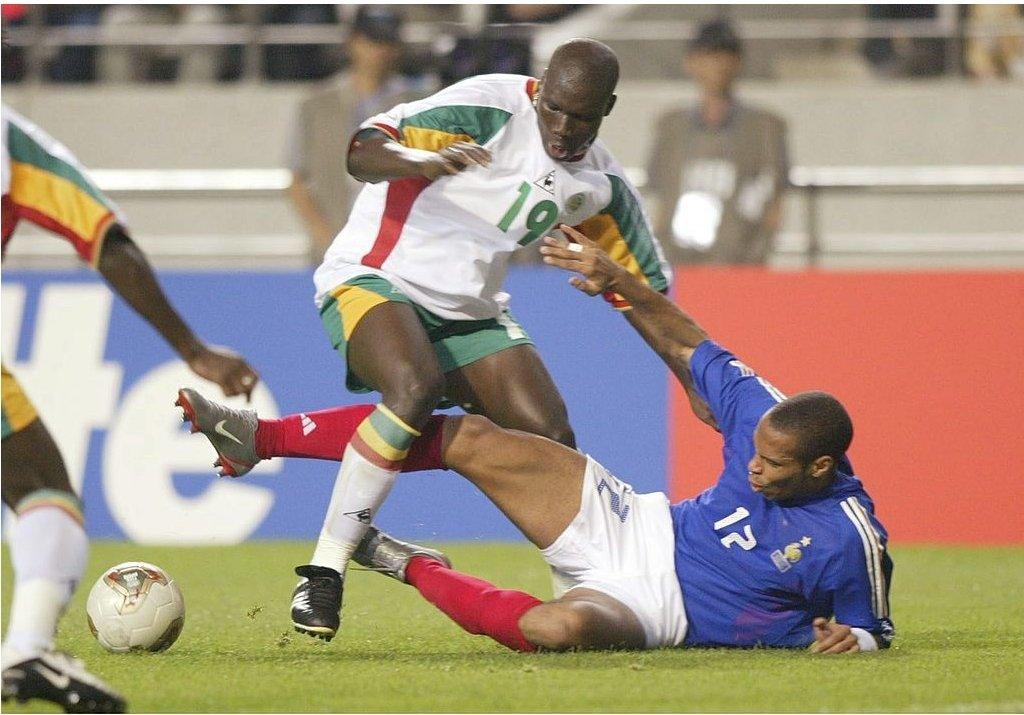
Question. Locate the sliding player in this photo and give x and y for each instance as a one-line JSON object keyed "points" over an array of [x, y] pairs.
{"points": [[786, 539], [44, 184], [409, 291]]}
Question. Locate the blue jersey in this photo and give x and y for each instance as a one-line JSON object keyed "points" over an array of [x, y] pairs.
{"points": [[757, 572]]}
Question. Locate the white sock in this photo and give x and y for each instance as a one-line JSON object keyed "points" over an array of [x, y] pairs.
{"points": [[359, 490], [49, 550]]}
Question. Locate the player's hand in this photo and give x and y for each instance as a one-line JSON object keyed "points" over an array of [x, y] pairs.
{"points": [[453, 159], [227, 369], [830, 637], [598, 272]]}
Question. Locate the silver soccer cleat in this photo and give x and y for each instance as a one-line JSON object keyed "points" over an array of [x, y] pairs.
{"points": [[380, 552], [231, 432]]}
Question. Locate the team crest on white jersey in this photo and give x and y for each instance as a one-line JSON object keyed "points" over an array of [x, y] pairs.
{"points": [[546, 182]]}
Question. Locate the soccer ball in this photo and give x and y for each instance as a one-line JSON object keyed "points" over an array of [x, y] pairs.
{"points": [[135, 606]]}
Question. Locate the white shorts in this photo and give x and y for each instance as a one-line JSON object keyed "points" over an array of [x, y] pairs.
{"points": [[622, 544]]}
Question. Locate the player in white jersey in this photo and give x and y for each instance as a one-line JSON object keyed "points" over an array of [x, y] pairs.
{"points": [[410, 290], [446, 243]]}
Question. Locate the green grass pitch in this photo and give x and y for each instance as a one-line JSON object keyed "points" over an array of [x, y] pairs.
{"points": [[959, 615]]}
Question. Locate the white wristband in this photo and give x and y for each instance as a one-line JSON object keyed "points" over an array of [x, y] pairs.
{"points": [[865, 640]]}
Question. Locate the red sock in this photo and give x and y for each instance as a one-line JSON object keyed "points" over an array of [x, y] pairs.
{"points": [[325, 434], [476, 605]]}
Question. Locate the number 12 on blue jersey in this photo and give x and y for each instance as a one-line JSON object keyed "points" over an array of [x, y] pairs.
{"points": [[746, 540]]}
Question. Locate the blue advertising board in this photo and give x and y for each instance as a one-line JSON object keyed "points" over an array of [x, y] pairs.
{"points": [[104, 383]]}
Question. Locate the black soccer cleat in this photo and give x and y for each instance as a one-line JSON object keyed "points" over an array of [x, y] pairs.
{"points": [[60, 679], [316, 602]]}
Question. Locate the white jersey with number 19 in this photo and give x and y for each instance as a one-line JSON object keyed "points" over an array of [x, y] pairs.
{"points": [[446, 244]]}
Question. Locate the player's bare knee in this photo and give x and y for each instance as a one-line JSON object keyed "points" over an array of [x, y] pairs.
{"points": [[415, 393], [476, 428], [559, 431], [554, 425], [466, 436], [554, 626]]}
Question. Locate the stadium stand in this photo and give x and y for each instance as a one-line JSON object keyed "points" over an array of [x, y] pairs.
{"points": [[803, 62]]}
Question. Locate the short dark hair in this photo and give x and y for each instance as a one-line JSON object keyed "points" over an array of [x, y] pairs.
{"points": [[820, 422], [716, 36], [593, 64]]}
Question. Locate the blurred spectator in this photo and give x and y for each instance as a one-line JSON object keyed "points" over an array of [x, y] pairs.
{"points": [[299, 62], [717, 170], [905, 56], [73, 63], [322, 190], [498, 47], [207, 63], [164, 63], [512, 13], [13, 66], [995, 56], [503, 50]]}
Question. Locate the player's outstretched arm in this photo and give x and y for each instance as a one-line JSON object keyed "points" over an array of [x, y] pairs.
{"points": [[126, 269], [374, 156], [672, 333]]}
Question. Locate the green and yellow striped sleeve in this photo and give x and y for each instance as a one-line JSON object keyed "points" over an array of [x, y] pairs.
{"points": [[49, 188], [436, 128], [622, 230]]}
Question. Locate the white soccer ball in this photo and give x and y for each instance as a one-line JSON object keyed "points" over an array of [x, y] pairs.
{"points": [[135, 606]]}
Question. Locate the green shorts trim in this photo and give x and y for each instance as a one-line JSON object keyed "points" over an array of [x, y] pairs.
{"points": [[456, 343]]}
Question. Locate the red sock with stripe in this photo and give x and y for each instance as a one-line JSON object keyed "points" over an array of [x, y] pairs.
{"points": [[478, 606], [325, 434]]}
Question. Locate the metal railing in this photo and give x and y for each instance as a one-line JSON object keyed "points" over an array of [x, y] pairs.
{"points": [[186, 183], [816, 181], [812, 181]]}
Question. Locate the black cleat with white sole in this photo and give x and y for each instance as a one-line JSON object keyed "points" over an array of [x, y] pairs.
{"points": [[61, 679], [316, 602]]}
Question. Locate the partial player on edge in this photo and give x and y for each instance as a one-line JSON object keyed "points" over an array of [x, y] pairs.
{"points": [[43, 183]]}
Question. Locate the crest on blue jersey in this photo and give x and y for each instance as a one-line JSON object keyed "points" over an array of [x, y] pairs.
{"points": [[785, 559], [780, 561]]}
